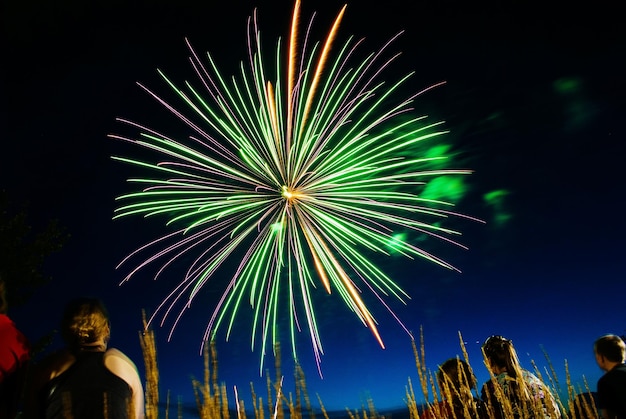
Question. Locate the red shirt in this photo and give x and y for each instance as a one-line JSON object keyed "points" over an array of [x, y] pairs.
{"points": [[14, 348]]}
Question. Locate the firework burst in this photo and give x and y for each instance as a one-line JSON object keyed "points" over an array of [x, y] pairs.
{"points": [[300, 177]]}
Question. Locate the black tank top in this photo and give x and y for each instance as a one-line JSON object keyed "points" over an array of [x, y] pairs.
{"points": [[87, 390]]}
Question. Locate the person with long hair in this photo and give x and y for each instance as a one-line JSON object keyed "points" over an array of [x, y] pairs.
{"points": [[86, 380], [514, 392]]}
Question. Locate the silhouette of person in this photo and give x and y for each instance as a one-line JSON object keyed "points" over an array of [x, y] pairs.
{"points": [[610, 353], [86, 380]]}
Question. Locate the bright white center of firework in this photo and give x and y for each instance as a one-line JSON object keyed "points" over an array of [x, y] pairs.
{"points": [[290, 194]]}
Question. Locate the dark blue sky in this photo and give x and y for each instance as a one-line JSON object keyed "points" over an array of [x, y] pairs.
{"points": [[534, 100]]}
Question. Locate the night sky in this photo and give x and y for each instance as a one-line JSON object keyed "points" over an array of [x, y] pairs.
{"points": [[534, 100]]}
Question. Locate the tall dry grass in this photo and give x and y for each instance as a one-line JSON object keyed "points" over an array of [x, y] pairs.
{"points": [[213, 403], [148, 349]]}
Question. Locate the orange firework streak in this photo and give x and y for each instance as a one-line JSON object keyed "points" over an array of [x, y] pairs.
{"points": [[320, 67], [292, 71], [312, 237], [315, 241]]}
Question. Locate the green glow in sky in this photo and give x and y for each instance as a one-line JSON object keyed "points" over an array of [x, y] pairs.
{"points": [[448, 188], [437, 150], [395, 241], [567, 85], [576, 108], [496, 200]]}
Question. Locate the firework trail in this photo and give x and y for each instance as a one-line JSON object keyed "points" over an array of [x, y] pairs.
{"points": [[301, 180]]}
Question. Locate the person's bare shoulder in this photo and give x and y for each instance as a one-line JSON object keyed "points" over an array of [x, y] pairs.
{"points": [[121, 365], [115, 355]]}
